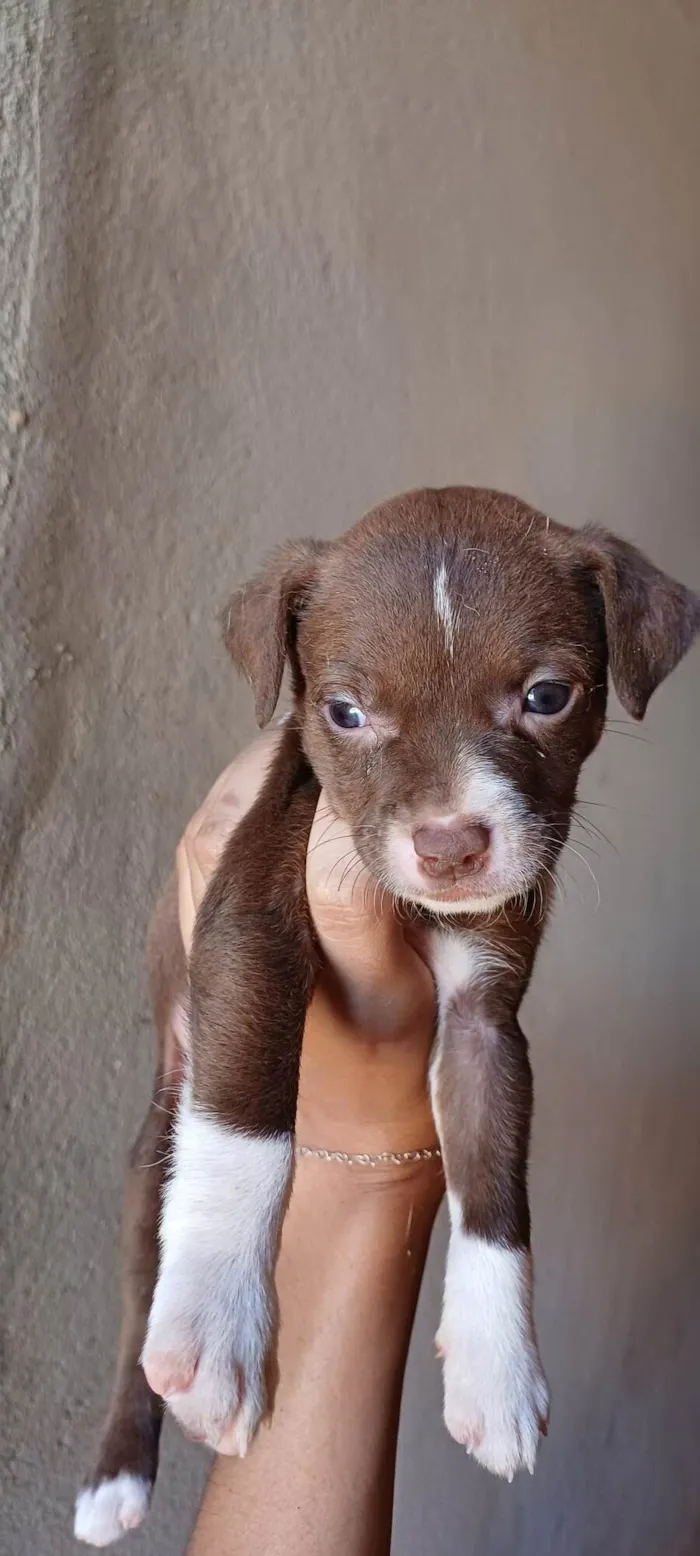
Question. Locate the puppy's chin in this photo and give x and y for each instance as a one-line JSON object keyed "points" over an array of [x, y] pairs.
{"points": [[447, 903], [448, 906], [475, 896]]}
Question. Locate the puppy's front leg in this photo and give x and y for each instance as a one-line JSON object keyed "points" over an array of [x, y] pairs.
{"points": [[496, 1396], [210, 1343]]}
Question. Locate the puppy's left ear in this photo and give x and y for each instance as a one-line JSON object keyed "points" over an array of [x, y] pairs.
{"points": [[261, 618], [650, 620]]}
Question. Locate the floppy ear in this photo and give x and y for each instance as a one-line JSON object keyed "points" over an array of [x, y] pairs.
{"points": [[650, 620], [260, 620]]}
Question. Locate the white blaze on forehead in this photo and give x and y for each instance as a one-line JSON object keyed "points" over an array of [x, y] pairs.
{"points": [[443, 607]]}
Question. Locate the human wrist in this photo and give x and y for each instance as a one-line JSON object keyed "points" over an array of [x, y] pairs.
{"points": [[333, 1202]]}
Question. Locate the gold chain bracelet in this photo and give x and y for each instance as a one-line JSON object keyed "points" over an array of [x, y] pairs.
{"points": [[367, 1159]]}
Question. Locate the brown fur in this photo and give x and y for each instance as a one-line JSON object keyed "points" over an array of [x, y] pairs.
{"points": [[253, 959], [131, 1433], [359, 615]]}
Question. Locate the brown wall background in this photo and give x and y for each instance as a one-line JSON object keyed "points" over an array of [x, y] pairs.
{"points": [[267, 264]]}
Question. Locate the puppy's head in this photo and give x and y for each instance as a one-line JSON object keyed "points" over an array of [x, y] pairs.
{"points": [[449, 660]]}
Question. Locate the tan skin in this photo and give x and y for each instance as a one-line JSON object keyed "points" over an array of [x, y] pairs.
{"points": [[319, 1478]]}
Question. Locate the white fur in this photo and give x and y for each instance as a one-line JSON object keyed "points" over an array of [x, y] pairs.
{"points": [[495, 1391], [482, 793], [458, 960], [496, 1395], [105, 1512], [180, 1021], [475, 907], [443, 608], [214, 1312], [480, 789]]}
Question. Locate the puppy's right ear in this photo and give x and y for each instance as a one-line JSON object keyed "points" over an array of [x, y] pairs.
{"points": [[260, 620]]}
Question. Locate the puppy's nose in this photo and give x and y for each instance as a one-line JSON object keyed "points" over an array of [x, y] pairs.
{"points": [[451, 848]]}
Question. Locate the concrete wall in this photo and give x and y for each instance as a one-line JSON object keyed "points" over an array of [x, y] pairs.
{"points": [[267, 264]]}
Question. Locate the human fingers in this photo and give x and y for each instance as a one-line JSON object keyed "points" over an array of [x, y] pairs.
{"points": [[378, 978], [207, 833]]}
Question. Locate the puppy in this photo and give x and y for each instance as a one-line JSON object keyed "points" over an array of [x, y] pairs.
{"points": [[449, 661]]}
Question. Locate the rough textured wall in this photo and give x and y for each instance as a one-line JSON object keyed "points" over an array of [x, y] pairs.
{"points": [[266, 264]]}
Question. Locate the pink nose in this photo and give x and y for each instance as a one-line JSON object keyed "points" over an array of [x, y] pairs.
{"points": [[451, 848]]}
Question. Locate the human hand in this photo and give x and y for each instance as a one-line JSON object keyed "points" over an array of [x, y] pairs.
{"points": [[369, 1029]]}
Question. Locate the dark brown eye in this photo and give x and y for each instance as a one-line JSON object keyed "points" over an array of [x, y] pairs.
{"points": [[345, 714], [547, 697]]}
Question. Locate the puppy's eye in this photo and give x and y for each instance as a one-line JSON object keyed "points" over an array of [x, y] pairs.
{"points": [[547, 697], [344, 714]]}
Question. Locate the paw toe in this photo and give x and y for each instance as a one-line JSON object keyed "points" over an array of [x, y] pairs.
{"points": [[467, 1432], [222, 1408], [509, 1446], [237, 1439], [168, 1372], [497, 1414], [103, 1513]]}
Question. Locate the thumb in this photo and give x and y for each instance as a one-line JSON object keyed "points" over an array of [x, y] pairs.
{"points": [[379, 978]]}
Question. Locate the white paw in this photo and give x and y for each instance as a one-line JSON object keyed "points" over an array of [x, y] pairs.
{"points": [[105, 1512], [212, 1326], [496, 1394], [496, 1401], [209, 1336]]}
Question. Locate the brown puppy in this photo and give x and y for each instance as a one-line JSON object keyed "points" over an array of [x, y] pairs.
{"points": [[449, 661]]}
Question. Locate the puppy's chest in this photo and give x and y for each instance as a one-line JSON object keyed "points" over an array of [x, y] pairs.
{"points": [[466, 969]]}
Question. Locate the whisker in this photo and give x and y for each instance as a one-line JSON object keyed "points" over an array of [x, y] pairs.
{"points": [[356, 877], [324, 834], [365, 885], [348, 855], [558, 888], [626, 734], [160, 1161], [589, 847], [324, 842], [572, 880], [572, 850], [603, 805], [346, 871], [594, 830]]}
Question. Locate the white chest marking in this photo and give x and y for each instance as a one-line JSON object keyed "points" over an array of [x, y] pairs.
{"points": [[443, 608], [456, 961]]}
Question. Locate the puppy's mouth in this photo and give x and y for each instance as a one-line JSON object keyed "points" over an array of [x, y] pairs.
{"points": [[458, 896], [475, 873]]}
